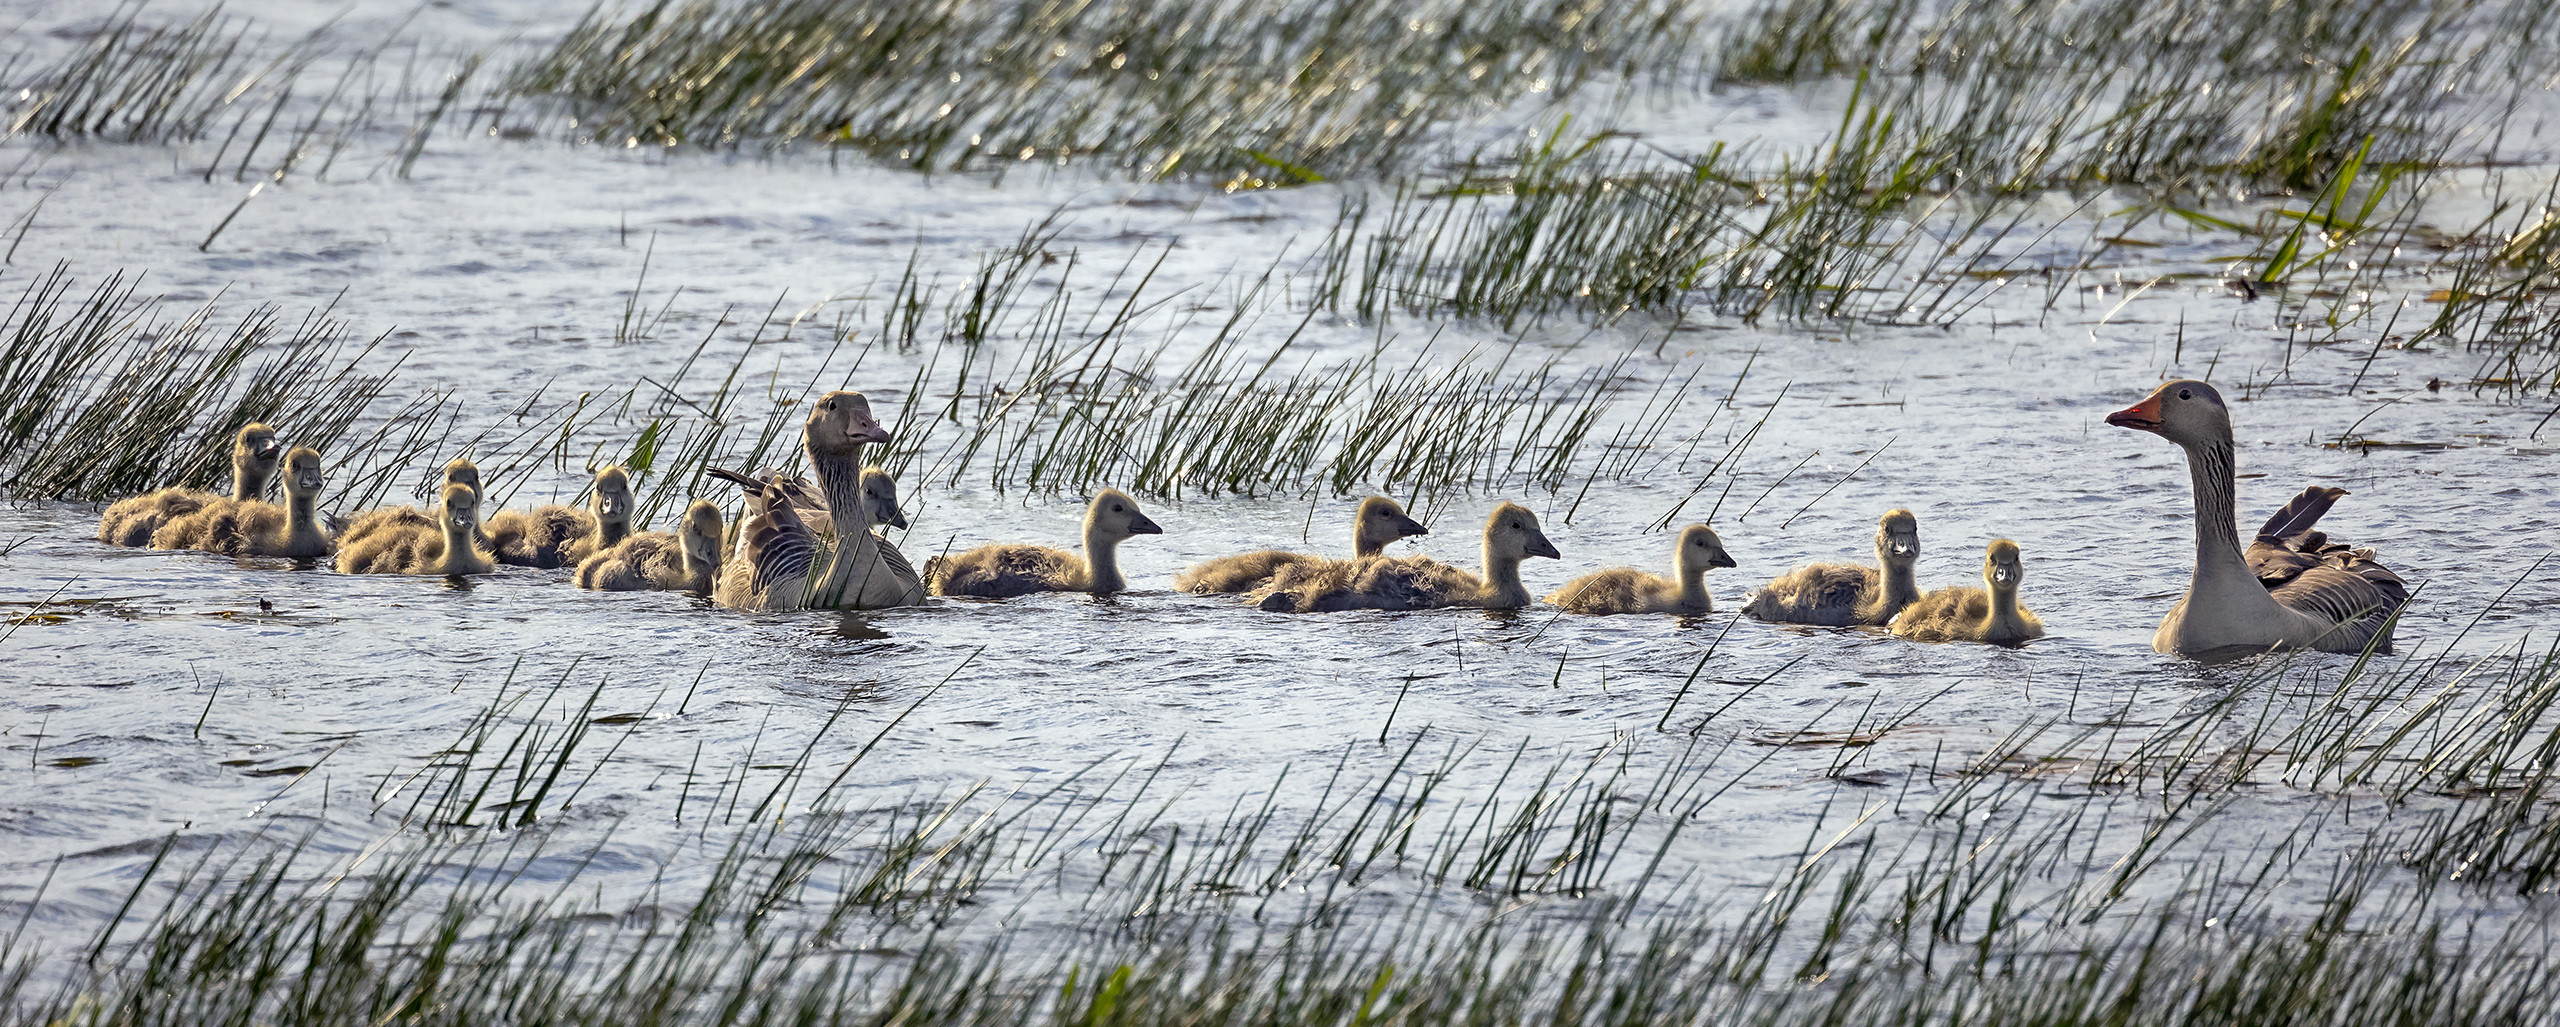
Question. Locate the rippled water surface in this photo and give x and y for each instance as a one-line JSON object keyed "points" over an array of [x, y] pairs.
{"points": [[152, 696]]}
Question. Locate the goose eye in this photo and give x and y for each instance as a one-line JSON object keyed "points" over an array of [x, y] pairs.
{"points": [[2186, 394]]}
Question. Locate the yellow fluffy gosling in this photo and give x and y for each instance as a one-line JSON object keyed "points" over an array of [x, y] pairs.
{"points": [[1511, 534], [1378, 522], [250, 527], [688, 561], [552, 535], [397, 547], [1839, 594], [1628, 590], [1003, 570], [133, 520], [1960, 613]]}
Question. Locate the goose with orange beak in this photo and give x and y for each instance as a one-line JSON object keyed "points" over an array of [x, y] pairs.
{"points": [[2291, 588]]}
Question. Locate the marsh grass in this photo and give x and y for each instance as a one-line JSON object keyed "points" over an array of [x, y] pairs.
{"points": [[1431, 880], [106, 391], [1253, 94]]}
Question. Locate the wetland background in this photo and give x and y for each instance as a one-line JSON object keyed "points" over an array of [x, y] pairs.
{"points": [[1778, 267]]}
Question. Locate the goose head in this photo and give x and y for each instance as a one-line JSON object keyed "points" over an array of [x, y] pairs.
{"points": [[841, 423], [461, 471], [701, 535], [461, 507], [2187, 412], [257, 445], [302, 474], [1115, 516], [1699, 550], [880, 498], [1512, 533], [1382, 521], [612, 501], [1898, 538], [253, 460], [2001, 567]]}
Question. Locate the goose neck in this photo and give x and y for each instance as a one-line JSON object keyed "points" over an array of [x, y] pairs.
{"points": [[1102, 560], [2211, 467], [1502, 578]]}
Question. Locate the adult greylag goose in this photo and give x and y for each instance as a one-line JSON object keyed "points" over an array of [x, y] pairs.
{"points": [[133, 520], [1839, 594], [399, 547], [1009, 569], [687, 561], [2292, 588], [781, 562], [1511, 534], [552, 535], [1961, 613], [251, 527], [1628, 590], [1378, 522]]}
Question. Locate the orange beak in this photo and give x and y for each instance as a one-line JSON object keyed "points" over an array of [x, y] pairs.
{"points": [[2143, 416]]}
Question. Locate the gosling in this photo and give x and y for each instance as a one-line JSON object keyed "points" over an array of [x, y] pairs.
{"points": [[1378, 522], [688, 561], [250, 527], [133, 520], [1960, 613], [1006, 570], [552, 535], [1839, 594], [1511, 534], [396, 547], [1628, 590]]}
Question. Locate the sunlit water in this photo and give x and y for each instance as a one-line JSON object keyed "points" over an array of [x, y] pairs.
{"points": [[150, 695]]}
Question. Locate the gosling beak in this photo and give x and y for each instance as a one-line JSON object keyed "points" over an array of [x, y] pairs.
{"points": [[2143, 416], [1407, 527], [1720, 560], [1539, 546], [1140, 525], [268, 449], [897, 518], [1904, 549], [313, 481], [2003, 574]]}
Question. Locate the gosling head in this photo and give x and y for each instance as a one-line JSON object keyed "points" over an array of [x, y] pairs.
{"points": [[257, 444], [880, 498], [1898, 537], [1115, 516], [1382, 521], [302, 474], [2187, 412], [612, 501], [461, 471], [701, 535], [2001, 567], [1512, 532], [841, 423], [461, 507], [1699, 550]]}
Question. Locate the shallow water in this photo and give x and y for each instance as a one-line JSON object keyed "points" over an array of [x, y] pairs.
{"points": [[157, 695]]}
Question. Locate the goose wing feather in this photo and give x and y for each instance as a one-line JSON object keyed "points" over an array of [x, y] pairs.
{"points": [[2304, 571]]}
